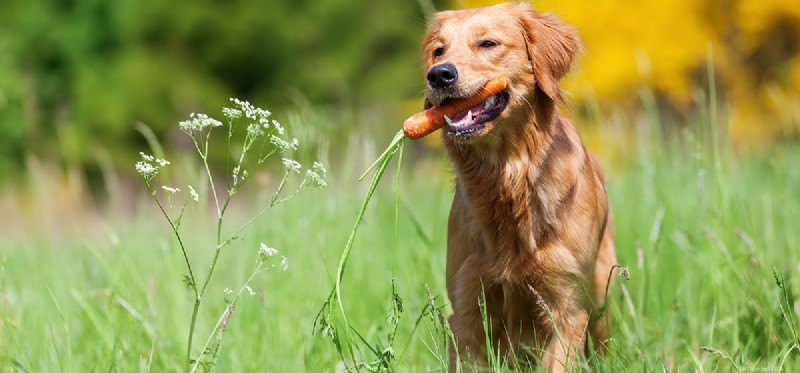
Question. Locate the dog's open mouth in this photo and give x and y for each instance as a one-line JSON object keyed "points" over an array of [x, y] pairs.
{"points": [[470, 122]]}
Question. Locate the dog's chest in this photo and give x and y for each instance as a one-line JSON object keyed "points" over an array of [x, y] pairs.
{"points": [[505, 207]]}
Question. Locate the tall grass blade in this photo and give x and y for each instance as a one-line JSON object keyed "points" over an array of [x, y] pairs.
{"points": [[380, 167]]}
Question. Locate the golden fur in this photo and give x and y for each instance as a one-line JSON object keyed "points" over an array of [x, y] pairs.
{"points": [[530, 216]]}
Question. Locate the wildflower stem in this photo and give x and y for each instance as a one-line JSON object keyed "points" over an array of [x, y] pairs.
{"points": [[262, 160], [211, 269], [228, 149], [180, 216], [197, 300], [199, 295], [204, 157], [177, 235], [191, 275], [264, 142], [238, 169], [221, 244], [219, 221], [225, 315], [274, 202], [220, 215]]}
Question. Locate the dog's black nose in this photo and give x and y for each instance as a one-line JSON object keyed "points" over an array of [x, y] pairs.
{"points": [[442, 76]]}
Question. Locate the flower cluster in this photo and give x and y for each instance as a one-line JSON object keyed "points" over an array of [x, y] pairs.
{"points": [[255, 130], [265, 252], [278, 127], [260, 121], [198, 122], [231, 113], [251, 111], [170, 190], [315, 177], [194, 194], [282, 145], [241, 107], [149, 166], [292, 165]]}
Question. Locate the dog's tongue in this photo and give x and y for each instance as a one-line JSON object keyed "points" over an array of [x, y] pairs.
{"points": [[467, 117]]}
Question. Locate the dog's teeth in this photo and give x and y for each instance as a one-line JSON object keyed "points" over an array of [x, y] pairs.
{"points": [[448, 120], [469, 117], [489, 102]]}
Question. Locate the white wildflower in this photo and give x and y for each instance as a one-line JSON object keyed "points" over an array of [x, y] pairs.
{"points": [[284, 264], [255, 131], [283, 145], [239, 176], [149, 166], [315, 177], [198, 122], [314, 180], [147, 157], [170, 190], [292, 165], [278, 127], [251, 112], [320, 169], [266, 250], [146, 170], [235, 175], [249, 290], [228, 291], [231, 113], [262, 114], [193, 193]]}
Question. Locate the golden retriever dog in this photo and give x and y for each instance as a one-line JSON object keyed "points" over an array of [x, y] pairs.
{"points": [[529, 231]]}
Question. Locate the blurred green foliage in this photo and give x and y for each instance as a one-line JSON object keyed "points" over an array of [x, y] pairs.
{"points": [[78, 75]]}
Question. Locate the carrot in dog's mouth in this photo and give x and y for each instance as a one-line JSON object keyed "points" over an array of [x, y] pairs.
{"points": [[475, 118], [462, 116]]}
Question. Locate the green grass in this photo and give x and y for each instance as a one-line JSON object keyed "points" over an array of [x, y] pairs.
{"points": [[706, 235]]}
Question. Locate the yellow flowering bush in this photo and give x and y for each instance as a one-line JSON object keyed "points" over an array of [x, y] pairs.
{"points": [[664, 45]]}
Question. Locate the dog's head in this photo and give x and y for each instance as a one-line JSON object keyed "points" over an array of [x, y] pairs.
{"points": [[463, 49]]}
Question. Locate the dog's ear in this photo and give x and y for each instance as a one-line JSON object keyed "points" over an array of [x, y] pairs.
{"points": [[552, 47]]}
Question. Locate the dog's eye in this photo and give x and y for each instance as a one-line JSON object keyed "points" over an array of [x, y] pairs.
{"points": [[487, 44], [438, 52]]}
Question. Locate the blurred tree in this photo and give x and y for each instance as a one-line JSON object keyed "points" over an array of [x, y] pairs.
{"points": [[79, 74]]}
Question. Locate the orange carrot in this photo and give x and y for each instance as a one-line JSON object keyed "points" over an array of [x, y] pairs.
{"points": [[425, 122]]}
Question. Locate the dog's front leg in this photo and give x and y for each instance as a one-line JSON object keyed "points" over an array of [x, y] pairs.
{"points": [[466, 322], [566, 342]]}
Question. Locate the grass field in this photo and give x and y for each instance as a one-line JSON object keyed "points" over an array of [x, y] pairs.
{"points": [[710, 240]]}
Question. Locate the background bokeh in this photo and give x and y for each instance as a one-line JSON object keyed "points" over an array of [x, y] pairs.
{"points": [[77, 76]]}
